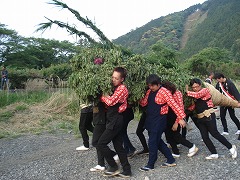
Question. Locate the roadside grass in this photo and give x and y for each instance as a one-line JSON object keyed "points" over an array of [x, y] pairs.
{"points": [[38, 112], [7, 98]]}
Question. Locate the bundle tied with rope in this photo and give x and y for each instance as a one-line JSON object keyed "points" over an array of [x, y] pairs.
{"points": [[219, 99]]}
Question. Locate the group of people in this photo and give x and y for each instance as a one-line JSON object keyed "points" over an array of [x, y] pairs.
{"points": [[162, 112]]}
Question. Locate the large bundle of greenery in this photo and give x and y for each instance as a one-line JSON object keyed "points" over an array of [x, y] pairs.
{"points": [[93, 67]]}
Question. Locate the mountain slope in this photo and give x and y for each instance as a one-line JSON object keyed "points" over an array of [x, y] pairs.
{"points": [[215, 23], [168, 29]]}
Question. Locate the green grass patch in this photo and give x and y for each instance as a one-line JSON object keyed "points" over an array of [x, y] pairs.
{"points": [[21, 107], [65, 125], [7, 98], [45, 122], [5, 116]]}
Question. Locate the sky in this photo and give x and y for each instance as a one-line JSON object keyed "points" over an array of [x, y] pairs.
{"points": [[114, 18]]}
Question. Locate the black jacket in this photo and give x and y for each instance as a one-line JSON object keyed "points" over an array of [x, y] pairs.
{"points": [[230, 88]]}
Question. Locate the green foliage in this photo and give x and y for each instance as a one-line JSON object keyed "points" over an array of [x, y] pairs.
{"points": [[219, 29], [21, 107], [213, 60], [161, 54], [20, 52], [168, 29], [18, 77], [4, 117], [208, 60], [61, 71], [88, 79], [26, 97]]}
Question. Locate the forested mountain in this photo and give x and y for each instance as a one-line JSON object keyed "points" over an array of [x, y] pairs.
{"points": [[215, 23]]}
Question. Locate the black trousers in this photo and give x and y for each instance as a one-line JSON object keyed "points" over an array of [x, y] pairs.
{"points": [[223, 112], [174, 137], [97, 132], [85, 125], [139, 131], [210, 126], [128, 115], [115, 136], [194, 119]]}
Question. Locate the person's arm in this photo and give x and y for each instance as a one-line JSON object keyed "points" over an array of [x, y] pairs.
{"points": [[144, 100], [167, 96], [198, 94], [119, 95], [233, 90]]}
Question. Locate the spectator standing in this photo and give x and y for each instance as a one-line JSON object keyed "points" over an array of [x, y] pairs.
{"points": [[4, 80]]}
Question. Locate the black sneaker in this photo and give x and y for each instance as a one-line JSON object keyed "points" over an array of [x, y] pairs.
{"points": [[125, 174], [111, 171], [143, 152], [146, 169]]}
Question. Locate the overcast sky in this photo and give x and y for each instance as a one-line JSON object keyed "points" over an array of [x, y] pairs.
{"points": [[113, 17]]}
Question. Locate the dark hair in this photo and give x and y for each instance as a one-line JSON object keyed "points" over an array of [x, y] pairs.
{"points": [[170, 86], [153, 79], [218, 76], [211, 73], [122, 71], [195, 80]]}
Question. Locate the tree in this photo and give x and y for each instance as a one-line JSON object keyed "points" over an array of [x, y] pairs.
{"points": [[161, 54], [9, 42], [207, 60], [20, 52]]}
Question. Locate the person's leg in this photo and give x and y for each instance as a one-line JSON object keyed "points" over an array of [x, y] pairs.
{"points": [[83, 129], [153, 149], [129, 148], [169, 133], [203, 127], [102, 145], [2, 84], [195, 120], [170, 139], [118, 146], [212, 129], [223, 111], [184, 129], [233, 117], [89, 120], [128, 116], [97, 132], [139, 132], [162, 146], [180, 140]]}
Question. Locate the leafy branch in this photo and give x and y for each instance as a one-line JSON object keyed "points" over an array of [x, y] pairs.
{"points": [[104, 40]]}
